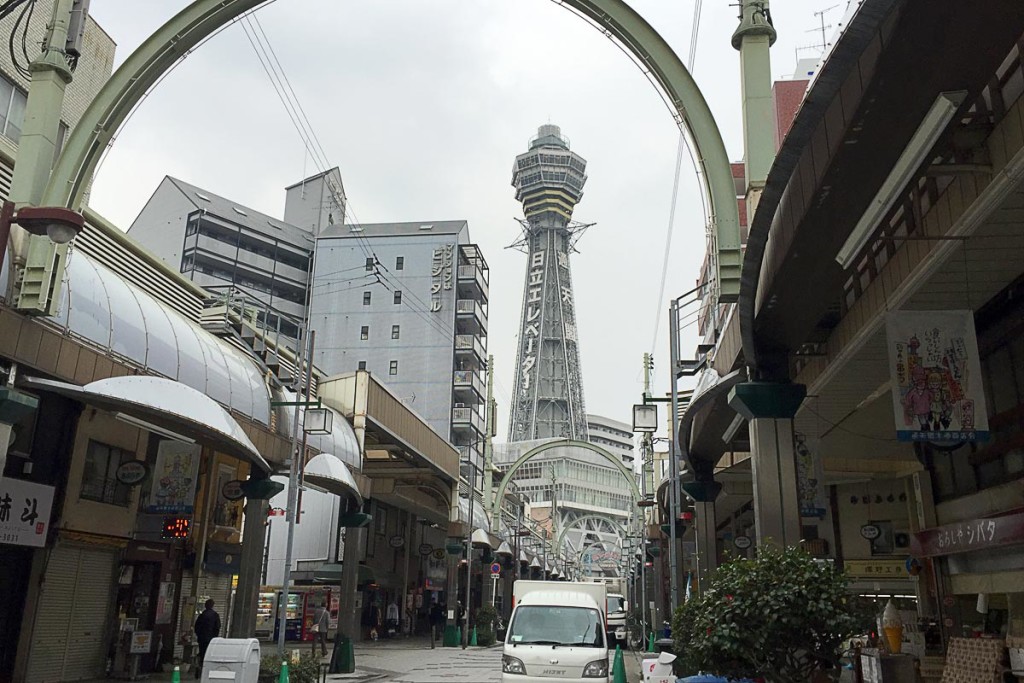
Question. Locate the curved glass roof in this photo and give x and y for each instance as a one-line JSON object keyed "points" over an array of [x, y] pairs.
{"points": [[341, 442], [99, 306]]}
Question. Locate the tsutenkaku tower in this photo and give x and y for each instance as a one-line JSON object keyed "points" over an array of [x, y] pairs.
{"points": [[548, 400]]}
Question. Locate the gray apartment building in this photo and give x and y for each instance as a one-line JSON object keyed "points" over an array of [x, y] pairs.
{"points": [[408, 302], [232, 249]]}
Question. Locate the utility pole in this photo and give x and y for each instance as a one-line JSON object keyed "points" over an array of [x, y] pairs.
{"points": [[491, 506], [293, 487], [488, 429], [673, 461], [646, 455]]}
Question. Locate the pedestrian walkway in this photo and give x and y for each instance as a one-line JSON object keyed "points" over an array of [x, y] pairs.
{"points": [[411, 660]]}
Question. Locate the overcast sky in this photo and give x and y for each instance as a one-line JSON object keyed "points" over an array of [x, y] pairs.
{"points": [[424, 104]]}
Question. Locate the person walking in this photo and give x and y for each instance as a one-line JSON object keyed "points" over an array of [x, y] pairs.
{"points": [[321, 624], [207, 628], [436, 620]]}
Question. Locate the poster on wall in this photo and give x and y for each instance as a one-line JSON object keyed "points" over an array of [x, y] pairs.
{"points": [[174, 478], [936, 376], [24, 512], [810, 473]]}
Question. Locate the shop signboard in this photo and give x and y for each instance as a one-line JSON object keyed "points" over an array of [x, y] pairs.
{"points": [[173, 488], [936, 376], [876, 569], [969, 535], [24, 512], [437, 570], [142, 642]]}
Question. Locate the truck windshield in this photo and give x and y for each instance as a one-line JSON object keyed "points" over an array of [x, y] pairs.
{"points": [[554, 625], [616, 604]]}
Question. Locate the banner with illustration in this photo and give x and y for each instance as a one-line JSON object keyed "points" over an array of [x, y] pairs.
{"points": [[810, 476], [174, 478], [936, 376]]}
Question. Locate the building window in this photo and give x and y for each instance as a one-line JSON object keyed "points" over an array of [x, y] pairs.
{"points": [[398, 296], [393, 370], [12, 109], [369, 263], [366, 298], [362, 365], [400, 263], [188, 264], [395, 332], [99, 482], [364, 332]]}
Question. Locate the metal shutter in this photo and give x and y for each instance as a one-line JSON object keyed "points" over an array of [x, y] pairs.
{"points": [[216, 586], [69, 635], [86, 653], [50, 631]]}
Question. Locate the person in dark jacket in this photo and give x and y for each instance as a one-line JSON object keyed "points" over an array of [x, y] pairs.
{"points": [[207, 628]]}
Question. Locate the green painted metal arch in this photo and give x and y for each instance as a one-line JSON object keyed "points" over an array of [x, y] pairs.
{"points": [[192, 25], [623, 532], [564, 443]]}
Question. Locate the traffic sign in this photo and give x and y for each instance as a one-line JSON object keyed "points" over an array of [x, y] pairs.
{"points": [[495, 568]]}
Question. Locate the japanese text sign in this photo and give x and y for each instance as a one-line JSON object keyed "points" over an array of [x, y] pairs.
{"points": [[24, 512], [969, 535]]}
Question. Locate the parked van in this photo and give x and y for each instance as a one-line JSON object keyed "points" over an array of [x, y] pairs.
{"points": [[556, 634]]}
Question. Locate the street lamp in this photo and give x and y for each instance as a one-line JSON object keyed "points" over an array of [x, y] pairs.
{"points": [[59, 224]]}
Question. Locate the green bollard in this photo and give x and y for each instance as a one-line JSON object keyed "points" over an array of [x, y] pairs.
{"points": [[472, 637], [176, 675], [451, 636], [284, 672], [618, 667], [343, 656], [650, 643]]}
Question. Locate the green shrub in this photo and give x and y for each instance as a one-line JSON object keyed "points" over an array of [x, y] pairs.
{"points": [[306, 671], [782, 616], [486, 617]]}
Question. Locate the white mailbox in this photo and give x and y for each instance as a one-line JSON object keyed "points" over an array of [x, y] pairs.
{"points": [[232, 659]]}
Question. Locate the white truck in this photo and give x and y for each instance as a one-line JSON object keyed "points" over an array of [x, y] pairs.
{"points": [[556, 634], [616, 610]]}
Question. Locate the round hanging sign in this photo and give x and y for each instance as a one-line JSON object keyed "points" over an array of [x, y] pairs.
{"points": [[741, 542], [232, 490], [870, 532], [426, 548], [396, 541], [132, 472]]}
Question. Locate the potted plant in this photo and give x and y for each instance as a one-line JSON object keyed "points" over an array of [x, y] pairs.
{"points": [[782, 617], [306, 670], [486, 617]]}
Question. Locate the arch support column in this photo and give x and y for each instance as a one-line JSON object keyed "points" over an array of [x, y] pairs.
{"points": [[769, 408]]}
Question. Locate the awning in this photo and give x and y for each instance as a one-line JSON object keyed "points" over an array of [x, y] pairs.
{"points": [[504, 549], [481, 539], [328, 573], [535, 564], [523, 559], [328, 472], [163, 405]]}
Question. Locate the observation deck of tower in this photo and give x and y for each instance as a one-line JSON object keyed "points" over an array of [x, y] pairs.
{"points": [[548, 395]]}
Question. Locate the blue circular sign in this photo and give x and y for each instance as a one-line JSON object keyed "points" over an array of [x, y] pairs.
{"points": [[495, 568]]}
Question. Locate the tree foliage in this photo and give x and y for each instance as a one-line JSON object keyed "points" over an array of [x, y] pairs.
{"points": [[486, 617], [782, 617]]}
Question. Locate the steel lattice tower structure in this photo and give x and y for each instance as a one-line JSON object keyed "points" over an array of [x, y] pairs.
{"points": [[548, 400]]}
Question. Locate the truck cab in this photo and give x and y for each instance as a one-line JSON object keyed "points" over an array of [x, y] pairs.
{"points": [[617, 608], [556, 634]]}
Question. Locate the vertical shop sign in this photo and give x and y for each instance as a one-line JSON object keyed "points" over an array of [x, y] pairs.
{"points": [[24, 512], [165, 603], [174, 478], [437, 570], [936, 376]]}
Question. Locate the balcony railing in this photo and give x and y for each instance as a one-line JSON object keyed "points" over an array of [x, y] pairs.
{"points": [[470, 342], [474, 275], [467, 418], [468, 380]]}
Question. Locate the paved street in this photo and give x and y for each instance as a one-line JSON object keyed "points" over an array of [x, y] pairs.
{"points": [[412, 661]]}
